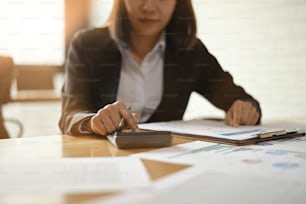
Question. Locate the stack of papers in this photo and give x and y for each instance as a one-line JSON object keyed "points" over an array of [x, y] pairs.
{"points": [[217, 131]]}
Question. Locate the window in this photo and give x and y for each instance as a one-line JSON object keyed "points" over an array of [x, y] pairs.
{"points": [[32, 31], [100, 10]]}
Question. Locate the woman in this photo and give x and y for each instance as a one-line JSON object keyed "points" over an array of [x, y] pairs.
{"points": [[147, 58]]}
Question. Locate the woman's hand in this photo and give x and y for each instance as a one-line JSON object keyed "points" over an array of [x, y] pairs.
{"points": [[107, 119], [241, 113]]}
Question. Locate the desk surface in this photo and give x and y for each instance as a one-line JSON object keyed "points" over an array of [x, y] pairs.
{"points": [[59, 146], [36, 96]]}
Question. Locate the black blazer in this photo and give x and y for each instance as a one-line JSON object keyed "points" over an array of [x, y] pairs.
{"points": [[92, 74]]}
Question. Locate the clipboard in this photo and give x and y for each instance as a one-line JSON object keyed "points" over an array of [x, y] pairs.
{"points": [[249, 141], [217, 131]]}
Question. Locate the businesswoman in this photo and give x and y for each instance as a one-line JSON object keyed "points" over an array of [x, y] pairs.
{"points": [[146, 57]]}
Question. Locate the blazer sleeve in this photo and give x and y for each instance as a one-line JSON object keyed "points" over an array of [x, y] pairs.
{"points": [[217, 85], [76, 103]]}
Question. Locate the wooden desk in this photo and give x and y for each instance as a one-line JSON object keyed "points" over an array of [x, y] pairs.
{"points": [[35, 96], [59, 146]]}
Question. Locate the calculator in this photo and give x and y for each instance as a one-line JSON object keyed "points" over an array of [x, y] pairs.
{"points": [[142, 139]]}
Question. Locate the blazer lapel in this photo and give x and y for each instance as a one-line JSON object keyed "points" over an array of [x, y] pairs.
{"points": [[170, 87], [107, 67]]}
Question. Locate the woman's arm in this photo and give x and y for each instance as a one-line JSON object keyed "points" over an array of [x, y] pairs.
{"points": [[76, 104], [218, 87]]}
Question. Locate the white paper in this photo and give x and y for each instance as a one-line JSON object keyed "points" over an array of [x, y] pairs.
{"points": [[261, 161], [161, 184], [72, 175], [218, 187], [221, 173], [176, 154], [211, 128]]}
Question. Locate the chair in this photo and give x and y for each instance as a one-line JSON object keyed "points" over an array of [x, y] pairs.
{"points": [[37, 89], [6, 78]]}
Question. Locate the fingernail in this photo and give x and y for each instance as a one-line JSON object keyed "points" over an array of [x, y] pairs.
{"points": [[136, 129]]}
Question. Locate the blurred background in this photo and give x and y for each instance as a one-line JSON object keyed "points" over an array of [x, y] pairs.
{"points": [[262, 43]]}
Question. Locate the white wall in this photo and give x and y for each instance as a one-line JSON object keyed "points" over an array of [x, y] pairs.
{"points": [[263, 44]]}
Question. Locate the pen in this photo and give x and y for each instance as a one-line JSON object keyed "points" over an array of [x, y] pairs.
{"points": [[122, 122]]}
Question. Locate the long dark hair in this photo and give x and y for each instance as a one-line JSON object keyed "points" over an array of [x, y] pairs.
{"points": [[180, 31]]}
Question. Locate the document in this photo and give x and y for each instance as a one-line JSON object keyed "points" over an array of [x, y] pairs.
{"points": [[221, 173], [216, 188], [246, 160], [72, 175], [220, 132]]}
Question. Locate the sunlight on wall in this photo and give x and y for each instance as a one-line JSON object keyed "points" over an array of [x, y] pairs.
{"points": [[32, 31]]}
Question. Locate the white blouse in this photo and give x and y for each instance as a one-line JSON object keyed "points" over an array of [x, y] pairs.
{"points": [[141, 85]]}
